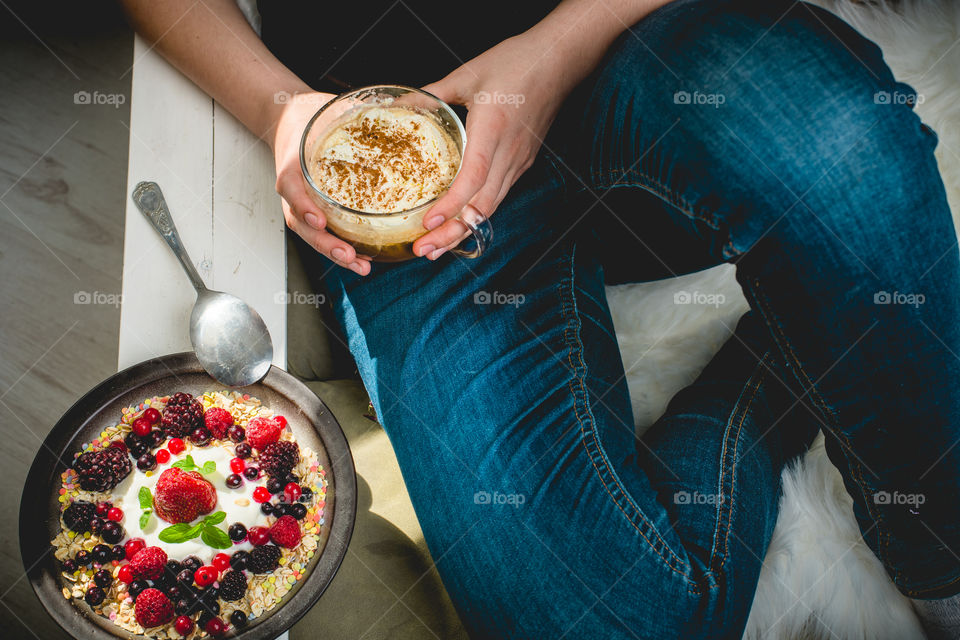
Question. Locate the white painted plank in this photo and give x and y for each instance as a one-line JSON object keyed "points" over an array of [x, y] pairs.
{"points": [[171, 143], [249, 251]]}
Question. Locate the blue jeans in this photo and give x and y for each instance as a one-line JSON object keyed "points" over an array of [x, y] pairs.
{"points": [[760, 133]]}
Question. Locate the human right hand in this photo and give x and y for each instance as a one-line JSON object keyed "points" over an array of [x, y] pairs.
{"points": [[301, 214]]}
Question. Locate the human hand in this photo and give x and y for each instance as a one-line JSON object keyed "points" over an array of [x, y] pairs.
{"points": [[511, 105], [300, 212]]}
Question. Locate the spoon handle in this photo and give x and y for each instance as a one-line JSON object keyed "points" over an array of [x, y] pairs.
{"points": [[149, 199]]}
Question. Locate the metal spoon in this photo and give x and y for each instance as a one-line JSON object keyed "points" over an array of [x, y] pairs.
{"points": [[229, 337]]}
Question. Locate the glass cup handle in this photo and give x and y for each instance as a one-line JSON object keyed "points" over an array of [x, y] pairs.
{"points": [[479, 227]]}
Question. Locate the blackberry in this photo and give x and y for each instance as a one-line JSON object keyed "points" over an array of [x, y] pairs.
{"points": [[264, 559], [102, 470], [233, 585], [181, 416], [78, 515], [278, 458]]}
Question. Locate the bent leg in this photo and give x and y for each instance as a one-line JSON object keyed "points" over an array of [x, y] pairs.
{"points": [[777, 136], [501, 388]]}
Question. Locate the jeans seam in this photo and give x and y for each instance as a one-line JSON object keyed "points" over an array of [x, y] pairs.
{"points": [[742, 408], [883, 539], [577, 379]]}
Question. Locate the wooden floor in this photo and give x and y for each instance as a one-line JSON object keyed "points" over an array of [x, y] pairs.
{"points": [[62, 180]]}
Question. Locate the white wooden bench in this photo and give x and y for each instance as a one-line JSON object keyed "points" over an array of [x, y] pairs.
{"points": [[218, 180]]}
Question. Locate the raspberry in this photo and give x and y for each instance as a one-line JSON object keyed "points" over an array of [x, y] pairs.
{"points": [[149, 563], [285, 532], [263, 431], [264, 559], [102, 470], [153, 608], [279, 458], [217, 421], [233, 585], [181, 416]]}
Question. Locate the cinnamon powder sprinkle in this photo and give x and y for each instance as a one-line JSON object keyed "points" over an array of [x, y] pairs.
{"points": [[385, 159]]}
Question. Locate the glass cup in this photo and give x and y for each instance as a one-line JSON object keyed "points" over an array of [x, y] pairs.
{"points": [[388, 237]]}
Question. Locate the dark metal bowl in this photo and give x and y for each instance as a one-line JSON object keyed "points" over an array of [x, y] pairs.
{"points": [[312, 423]]}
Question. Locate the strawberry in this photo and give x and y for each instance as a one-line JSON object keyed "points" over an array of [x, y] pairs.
{"points": [[183, 496], [217, 420], [285, 532], [148, 563], [153, 608], [263, 431]]}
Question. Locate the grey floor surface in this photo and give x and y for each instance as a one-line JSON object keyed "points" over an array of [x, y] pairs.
{"points": [[63, 169]]}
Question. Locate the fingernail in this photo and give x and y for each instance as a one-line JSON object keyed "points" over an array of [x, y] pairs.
{"points": [[312, 220], [337, 253], [425, 249], [439, 252], [356, 267], [434, 222]]}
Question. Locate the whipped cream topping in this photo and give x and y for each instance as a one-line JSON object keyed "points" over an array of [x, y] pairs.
{"points": [[385, 160]]}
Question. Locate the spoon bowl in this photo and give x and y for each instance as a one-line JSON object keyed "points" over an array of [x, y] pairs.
{"points": [[229, 337]]}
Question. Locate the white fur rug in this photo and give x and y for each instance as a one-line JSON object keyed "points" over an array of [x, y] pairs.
{"points": [[819, 579]]}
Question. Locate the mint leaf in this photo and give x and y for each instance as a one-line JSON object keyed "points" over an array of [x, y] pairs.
{"points": [[187, 464], [176, 533], [145, 518], [146, 499], [208, 467], [215, 518], [180, 532], [216, 538]]}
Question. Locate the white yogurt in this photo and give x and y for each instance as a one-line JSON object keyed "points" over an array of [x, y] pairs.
{"points": [[237, 503]]}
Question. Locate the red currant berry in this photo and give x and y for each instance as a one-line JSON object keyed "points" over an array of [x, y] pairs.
{"points": [[237, 465], [163, 456], [115, 514], [260, 494], [292, 492], [215, 627], [134, 546], [258, 536], [205, 576], [281, 421], [126, 574], [176, 446], [221, 561], [183, 625], [118, 444], [103, 508], [151, 414], [141, 427]]}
